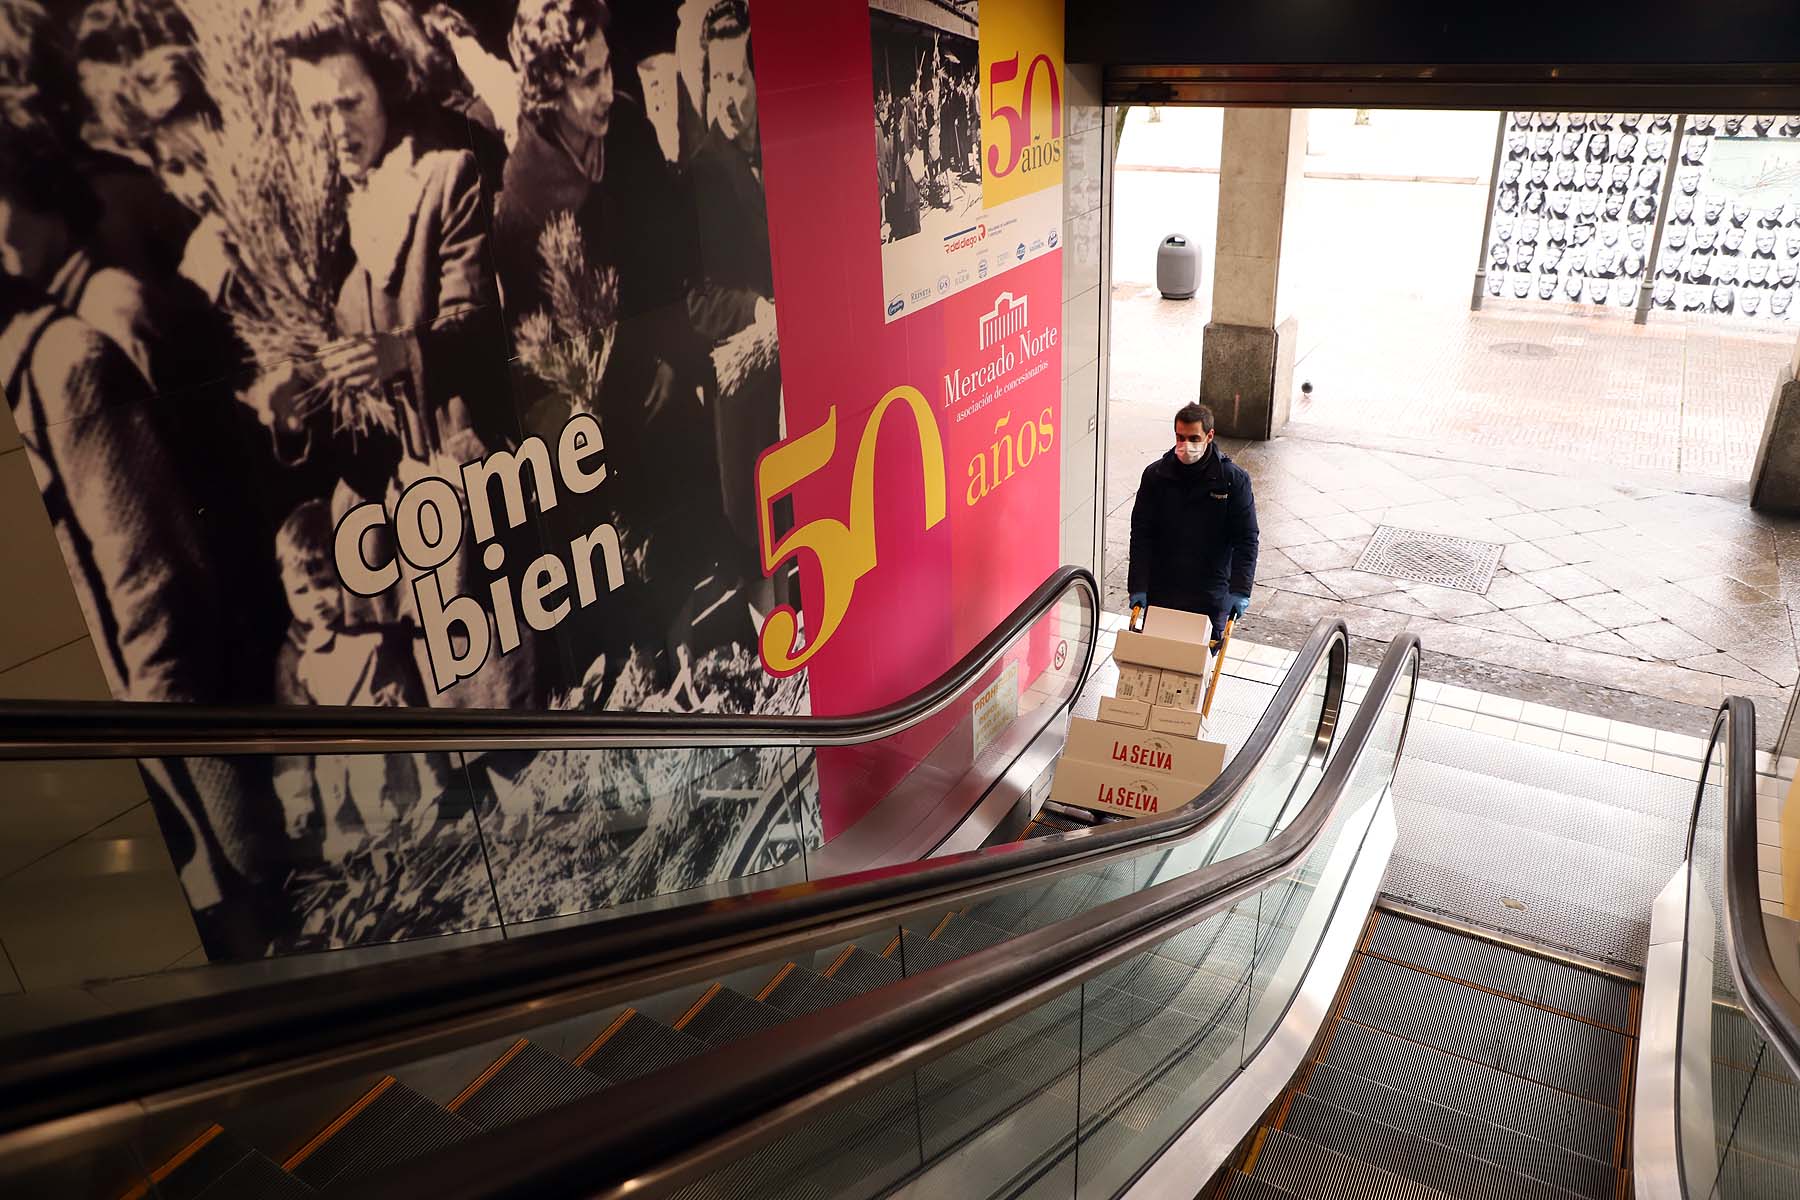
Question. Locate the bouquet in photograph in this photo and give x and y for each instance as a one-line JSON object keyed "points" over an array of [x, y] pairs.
{"points": [[274, 185], [568, 345]]}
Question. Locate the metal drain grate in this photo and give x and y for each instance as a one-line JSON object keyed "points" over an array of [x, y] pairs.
{"points": [[1461, 563]]}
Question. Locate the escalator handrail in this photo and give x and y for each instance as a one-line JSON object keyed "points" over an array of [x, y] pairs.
{"points": [[332, 1025], [44, 729], [1767, 999], [650, 1136]]}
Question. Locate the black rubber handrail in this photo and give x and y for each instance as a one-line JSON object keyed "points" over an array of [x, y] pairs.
{"points": [[652, 1135], [1768, 1000], [331, 1026], [44, 729]]}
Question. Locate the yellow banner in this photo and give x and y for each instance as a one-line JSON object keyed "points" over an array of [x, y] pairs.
{"points": [[1021, 98]]}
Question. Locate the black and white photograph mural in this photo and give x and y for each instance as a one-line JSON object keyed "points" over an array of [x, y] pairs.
{"points": [[927, 123], [387, 352], [1575, 206], [1731, 245]]}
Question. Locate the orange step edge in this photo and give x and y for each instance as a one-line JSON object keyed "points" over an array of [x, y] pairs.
{"points": [[481, 1080], [593, 1047], [141, 1190], [344, 1118], [694, 1011]]}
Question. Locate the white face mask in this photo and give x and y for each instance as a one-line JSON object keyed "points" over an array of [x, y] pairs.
{"points": [[1187, 452]]}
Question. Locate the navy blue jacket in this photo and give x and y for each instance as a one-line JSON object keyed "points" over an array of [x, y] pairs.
{"points": [[1193, 534]]}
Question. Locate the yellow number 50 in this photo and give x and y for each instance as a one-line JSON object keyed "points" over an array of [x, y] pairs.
{"points": [[844, 552]]}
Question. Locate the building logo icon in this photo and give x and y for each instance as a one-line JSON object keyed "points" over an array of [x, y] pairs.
{"points": [[1006, 319]]}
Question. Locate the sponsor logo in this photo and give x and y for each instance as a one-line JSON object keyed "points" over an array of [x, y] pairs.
{"points": [[896, 305], [943, 284], [981, 269], [1021, 251], [1036, 245], [964, 239], [962, 277], [1007, 317], [919, 294], [1051, 240]]}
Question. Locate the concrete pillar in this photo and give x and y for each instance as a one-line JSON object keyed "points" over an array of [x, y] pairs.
{"points": [[1247, 356], [1775, 483]]}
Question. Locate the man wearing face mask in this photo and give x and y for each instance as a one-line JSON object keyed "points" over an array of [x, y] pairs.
{"points": [[1193, 527]]}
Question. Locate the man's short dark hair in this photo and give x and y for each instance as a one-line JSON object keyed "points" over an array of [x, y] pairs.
{"points": [[1195, 414]]}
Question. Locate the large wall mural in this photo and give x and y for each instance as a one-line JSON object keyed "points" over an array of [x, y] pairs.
{"points": [[1576, 202], [382, 352]]}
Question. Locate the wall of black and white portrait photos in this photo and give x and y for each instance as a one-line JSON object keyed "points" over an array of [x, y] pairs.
{"points": [[1731, 244], [1575, 206]]}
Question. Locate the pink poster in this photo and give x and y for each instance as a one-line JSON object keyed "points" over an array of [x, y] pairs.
{"points": [[964, 471]]}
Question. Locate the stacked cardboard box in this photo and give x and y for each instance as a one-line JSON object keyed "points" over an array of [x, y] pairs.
{"points": [[1143, 756]]}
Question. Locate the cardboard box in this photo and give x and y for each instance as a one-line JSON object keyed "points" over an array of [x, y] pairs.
{"points": [[1137, 683], [1165, 654], [1177, 689], [1132, 713], [1177, 722], [1163, 755], [1182, 626], [1114, 789]]}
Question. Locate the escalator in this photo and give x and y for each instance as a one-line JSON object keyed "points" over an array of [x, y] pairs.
{"points": [[1718, 1075], [1211, 1003], [332, 1081]]}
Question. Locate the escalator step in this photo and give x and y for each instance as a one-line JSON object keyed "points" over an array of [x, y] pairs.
{"points": [[1249, 1187], [726, 1016], [256, 1177], [1407, 1154], [799, 991], [1546, 1047], [635, 1045], [1483, 1092], [861, 971], [532, 1081], [404, 1127], [363, 1123], [1314, 1172], [1514, 1151], [1034, 905], [968, 934], [200, 1164], [861, 1148], [917, 953]]}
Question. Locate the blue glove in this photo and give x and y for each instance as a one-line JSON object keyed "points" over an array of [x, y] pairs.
{"points": [[1139, 600], [1239, 606]]}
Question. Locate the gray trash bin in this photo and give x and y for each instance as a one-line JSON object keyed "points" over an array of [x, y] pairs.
{"points": [[1178, 267]]}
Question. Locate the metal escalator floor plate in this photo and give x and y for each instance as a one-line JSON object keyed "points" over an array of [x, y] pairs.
{"points": [[1557, 849]]}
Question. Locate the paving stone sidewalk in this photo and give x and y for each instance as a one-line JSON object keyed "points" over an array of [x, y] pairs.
{"points": [[1624, 599]]}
